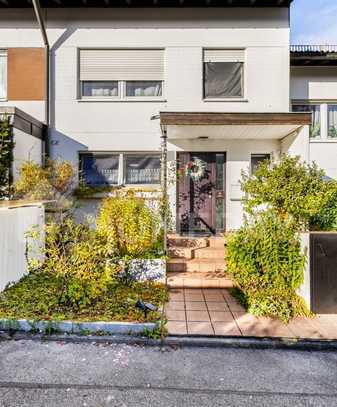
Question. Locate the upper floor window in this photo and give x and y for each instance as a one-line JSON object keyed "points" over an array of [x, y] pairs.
{"points": [[315, 109], [223, 73], [3, 75], [99, 169], [121, 73], [332, 121]]}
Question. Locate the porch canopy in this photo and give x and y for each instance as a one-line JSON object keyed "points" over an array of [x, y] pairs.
{"points": [[203, 125]]}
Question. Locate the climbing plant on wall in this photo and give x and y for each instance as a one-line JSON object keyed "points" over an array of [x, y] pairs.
{"points": [[6, 155]]}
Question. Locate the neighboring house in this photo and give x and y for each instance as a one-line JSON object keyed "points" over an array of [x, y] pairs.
{"points": [[211, 77], [313, 88]]}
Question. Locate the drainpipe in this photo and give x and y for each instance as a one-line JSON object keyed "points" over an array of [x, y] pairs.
{"points": [[38, 14]]}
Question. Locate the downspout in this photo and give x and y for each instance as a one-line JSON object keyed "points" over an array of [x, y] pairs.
{"points": [[38, 14]]}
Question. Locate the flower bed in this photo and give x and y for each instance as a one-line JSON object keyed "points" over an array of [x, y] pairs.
{"points": [[36, 297]]}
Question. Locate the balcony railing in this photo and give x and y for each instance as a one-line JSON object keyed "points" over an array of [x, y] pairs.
{"points": [[313, 48]]}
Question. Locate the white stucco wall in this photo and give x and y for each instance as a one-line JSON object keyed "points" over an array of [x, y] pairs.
{"points": [[126, 126], [26, 148], [297, 144], [313, 83], [79, 125]]}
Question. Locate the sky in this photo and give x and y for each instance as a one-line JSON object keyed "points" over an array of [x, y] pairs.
{"points": [[314, 22]]}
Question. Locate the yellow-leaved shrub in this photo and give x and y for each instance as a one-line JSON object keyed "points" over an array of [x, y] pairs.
{"points": [[128, 225]]}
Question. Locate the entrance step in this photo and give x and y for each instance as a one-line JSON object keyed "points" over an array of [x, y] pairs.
{"points": [[178, 252], [198, 280], [196, 265], [187, 242], [217, 242], [209, 253]]}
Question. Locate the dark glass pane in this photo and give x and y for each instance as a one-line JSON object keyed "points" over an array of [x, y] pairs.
{"points": [[257, 159], [332, 115], [315, 128], [219, 181], [144, 88], [223, 79], [220, 214], [99, 89], [142, 169], [100, 169]]}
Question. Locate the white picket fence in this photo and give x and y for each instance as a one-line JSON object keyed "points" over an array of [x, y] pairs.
{"points": [[15, 221]]}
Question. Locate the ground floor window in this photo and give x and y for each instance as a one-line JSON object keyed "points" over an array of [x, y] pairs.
{"points": [[256, 160], [99, 169]]}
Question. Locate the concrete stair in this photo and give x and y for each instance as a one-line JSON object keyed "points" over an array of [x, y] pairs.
{"points": [[197, 262]]}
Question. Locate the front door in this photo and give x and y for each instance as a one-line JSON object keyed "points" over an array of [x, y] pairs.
{"points": [[201, 193]]}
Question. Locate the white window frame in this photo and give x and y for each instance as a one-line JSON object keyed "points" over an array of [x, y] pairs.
{"points": [[242, 98], [3, 53], [323, 116], [122, 166], [121, 85]]}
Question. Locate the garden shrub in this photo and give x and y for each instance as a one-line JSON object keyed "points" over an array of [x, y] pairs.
{"points": [[265, 261], [76, 256], [6, 156], [289, 186], [54, 181], [129, 227]]}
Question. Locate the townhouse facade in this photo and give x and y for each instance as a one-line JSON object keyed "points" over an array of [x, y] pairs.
{"points": [[212, 80]]}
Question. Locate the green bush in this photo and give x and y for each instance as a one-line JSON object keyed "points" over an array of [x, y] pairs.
{"points": [[292, 188], [129, 227], [264, 259], [75, 255]]}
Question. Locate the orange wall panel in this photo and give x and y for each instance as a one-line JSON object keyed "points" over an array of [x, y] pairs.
{"points": [[26, 73]]}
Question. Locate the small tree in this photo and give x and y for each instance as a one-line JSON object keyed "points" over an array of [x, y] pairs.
{"points": [[6, 157]]}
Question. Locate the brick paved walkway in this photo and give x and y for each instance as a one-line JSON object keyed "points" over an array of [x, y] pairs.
{"points": [[216, 312]]}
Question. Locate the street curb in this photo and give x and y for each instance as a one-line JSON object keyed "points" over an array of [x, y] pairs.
{"points": [[72, 327], [184, 341]]}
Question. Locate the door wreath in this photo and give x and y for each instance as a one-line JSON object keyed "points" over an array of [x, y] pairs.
{"points": [[196, 169]]}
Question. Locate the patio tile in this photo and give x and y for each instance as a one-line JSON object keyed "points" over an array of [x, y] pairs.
{"points": [[244, 318], [176, 295], [196, 306], [192, 291], [253, 329], [328, 331], [235, 307], [199, 316], [303, 329], [213, 297], [175, 306], [217, 306], [221, 316], [194, 297], [212, 291], [226, 328], [175, 315], [200, 328], [326, 319], [176, 328]]}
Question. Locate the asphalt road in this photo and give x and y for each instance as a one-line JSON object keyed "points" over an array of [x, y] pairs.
{"points": [[50, 374]]}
